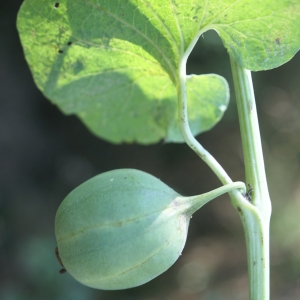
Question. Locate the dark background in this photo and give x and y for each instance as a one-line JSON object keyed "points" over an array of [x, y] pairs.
{"points": [[44, 155]]}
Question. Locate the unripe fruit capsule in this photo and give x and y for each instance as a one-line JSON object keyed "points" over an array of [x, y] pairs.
{"points": [[120, 229]]}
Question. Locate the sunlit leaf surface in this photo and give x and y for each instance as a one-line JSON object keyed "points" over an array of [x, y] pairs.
{"points": [[115, 63]]}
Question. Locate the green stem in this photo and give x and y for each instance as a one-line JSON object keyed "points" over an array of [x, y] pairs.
{"points": [[191, 204], [186, 131], [194, 144], [255, 215], [256, 220]]}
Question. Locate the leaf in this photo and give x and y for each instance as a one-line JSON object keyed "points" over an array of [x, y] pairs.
{"points": [[200, 98], [259, 35], [115, 63]]}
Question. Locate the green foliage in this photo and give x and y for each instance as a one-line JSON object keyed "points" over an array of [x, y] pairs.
{"points": [[115, 63]]}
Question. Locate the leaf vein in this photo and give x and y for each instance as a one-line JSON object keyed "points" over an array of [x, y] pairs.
{"points": [[167, 60], [203, 15], [162, 24], [178, 28], [224, 11]]}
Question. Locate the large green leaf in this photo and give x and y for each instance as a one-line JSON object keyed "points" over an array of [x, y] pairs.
{"points": [[115, 63]]}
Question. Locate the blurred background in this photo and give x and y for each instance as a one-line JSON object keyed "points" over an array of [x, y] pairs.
{"points": [[44, 155]]}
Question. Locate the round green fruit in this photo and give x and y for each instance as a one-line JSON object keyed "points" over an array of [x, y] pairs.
{"points": [[120, 229]]}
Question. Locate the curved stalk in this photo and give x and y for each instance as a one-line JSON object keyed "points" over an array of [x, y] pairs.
{"points": [[186, 131], [191, 204]]}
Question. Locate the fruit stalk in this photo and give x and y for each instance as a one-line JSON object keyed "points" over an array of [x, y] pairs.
{"points": [[189, 205]]}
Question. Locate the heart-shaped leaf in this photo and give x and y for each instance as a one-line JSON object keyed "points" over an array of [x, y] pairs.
{"points": [[115, 63]]}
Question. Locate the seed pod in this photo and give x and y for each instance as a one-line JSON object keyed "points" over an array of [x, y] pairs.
{"points": [[122, 228]]}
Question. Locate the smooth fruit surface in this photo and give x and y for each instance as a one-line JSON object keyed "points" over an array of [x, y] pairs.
{"points": [[120, 229]]}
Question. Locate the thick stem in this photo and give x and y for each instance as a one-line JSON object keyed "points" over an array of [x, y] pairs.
{"points": [[255, 221], [252, 148]]}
